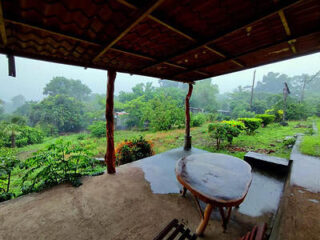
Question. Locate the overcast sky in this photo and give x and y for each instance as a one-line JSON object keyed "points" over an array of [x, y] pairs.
{"points": [[33, 75]]}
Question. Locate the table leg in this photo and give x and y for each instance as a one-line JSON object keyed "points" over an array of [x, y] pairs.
{"points": [[183, 192], [225, 219], [204, 222]]}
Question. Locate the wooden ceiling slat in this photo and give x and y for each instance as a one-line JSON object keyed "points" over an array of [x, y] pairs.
{"points": [[2, 26], [117, 49], [281, 6], [177, 30], [142, 13], [287, 30], [289, 39]]}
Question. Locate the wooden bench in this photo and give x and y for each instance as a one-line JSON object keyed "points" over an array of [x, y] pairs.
{"points": [[257, 233], [175, 230]]}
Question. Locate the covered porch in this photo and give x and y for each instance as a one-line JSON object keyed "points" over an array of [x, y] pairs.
{"points": [[136, 203]]}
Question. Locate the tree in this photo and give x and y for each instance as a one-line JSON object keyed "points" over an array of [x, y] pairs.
{"points": [[17, 101], [12, 129], [63, 112], [204, 95], [69, 87]]}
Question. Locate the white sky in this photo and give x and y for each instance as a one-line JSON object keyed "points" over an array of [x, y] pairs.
{"points": [[33, 75]]}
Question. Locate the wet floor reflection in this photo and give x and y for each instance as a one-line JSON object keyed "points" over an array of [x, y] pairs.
{"points": [[159, 170], [305, 169], [263, 196]]}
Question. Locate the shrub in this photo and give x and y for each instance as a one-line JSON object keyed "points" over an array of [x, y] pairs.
{"points": [[223, 131], [251, 124], [238, 124], [266, 118], [130, 151], [59, 162], [277, 113], [98, 129], [198, 119], [8, 161]]}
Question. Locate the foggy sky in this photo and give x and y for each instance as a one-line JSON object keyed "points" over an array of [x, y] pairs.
{"points": [[33, 75]]}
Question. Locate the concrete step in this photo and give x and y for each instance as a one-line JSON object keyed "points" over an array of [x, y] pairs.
{"points": [[266, 161]]}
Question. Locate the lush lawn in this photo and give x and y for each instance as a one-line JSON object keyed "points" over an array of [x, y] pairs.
{"points": [[311, 144], [266, 140]]}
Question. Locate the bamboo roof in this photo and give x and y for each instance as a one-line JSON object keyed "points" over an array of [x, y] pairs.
{"points": [[183, 40]]}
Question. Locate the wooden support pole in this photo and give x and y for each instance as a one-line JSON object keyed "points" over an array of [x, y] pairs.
{"points": [[110, 157], [187, 137], [11, 65], [3, 33]]}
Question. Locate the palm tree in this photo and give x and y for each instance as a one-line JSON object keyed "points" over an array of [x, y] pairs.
{"points": [[12, 129]]}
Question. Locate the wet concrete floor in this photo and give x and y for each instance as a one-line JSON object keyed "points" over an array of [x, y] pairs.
{"points": [[261, 201]]}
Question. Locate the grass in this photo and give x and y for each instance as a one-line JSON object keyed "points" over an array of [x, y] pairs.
{"points": [[265, 140], [311, 144]]}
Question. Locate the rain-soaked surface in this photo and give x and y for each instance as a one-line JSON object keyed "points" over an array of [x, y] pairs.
{"points": [[305, 169], [263, 196]]}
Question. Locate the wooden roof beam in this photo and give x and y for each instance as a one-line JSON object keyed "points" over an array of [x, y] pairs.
{"points": [[280, 6], [287, 30], [117, 49], [142, 13], [289, 39], [176, 30], [2, 26]]}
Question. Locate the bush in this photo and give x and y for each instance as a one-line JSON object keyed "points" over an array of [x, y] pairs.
{"points": [[98, 129], [8, 161], [251, 124], [266, 118], [59, 162], [238, 124], [223, 131], [198, 119], [130, 151], [277, 113]]}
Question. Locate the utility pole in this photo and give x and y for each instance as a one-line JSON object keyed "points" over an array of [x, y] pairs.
{"points": [[252, 88], [305, 82]]}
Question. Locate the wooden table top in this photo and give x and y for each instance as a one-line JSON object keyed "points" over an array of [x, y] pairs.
{"points": [[215, 178]]}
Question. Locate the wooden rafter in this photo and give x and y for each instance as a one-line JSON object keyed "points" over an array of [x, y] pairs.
{"points": [[281, 6], [178, 31], [117, 49], [287, 30], [289, 39], [2, 26], [141, 14]]}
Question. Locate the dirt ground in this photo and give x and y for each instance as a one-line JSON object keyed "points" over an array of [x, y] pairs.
{"points": [[301, 217], [119, 206]]}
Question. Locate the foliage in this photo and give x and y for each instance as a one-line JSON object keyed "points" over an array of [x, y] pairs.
{"points": [[59, 162], [98, 129], [8, 162], [204, 95], [198, 119], [238, 124], [61, 111], [311, 144], [69, 87], [135, 149], [278, 114], [223, 131], [251, 124], [266, 118]]}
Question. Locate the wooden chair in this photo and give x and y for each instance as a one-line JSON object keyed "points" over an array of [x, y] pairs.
{"points": [[175, 230], [257, 233]]}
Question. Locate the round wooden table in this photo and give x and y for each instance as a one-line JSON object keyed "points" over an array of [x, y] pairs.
{"points": [[219, 180]]}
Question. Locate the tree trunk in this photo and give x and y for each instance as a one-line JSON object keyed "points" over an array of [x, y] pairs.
{"points": [[187, 138], [13, 140], [8, 184], [252, 89], [110, 157]]}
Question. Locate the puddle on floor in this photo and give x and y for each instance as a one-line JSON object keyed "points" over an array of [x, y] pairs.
{"points": [[159, 170], [263, 196]]}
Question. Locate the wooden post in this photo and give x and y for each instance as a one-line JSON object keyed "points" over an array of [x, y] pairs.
{"points": [[110, 157], [187, 137], [252, 89]]}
